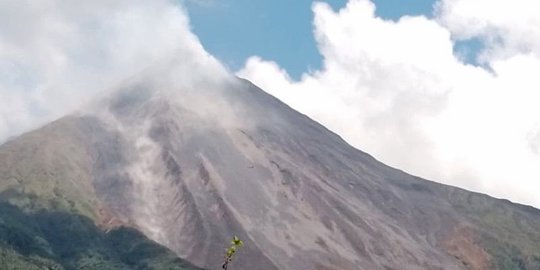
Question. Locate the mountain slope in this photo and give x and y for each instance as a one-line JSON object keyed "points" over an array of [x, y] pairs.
{"points": [[49, 208], [192, 166]]}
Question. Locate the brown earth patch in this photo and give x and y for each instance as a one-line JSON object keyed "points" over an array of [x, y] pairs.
{"points": [[460, 244]]}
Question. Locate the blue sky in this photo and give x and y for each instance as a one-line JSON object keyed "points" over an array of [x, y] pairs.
{"points": [[278, 30]]}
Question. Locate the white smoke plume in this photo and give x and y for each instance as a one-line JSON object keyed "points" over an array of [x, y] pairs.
{"points": [[56, 55]]}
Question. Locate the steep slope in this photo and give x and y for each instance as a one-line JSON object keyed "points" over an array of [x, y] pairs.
{"points": [[192, 166]]}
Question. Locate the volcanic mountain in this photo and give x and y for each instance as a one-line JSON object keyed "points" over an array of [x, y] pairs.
{"points": [[191, 165]]}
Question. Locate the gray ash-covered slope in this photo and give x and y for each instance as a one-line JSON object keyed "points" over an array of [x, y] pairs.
{"points": [[192, 166]]}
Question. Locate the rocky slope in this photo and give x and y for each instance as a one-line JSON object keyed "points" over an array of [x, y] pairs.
{"points": [[191, 166]]}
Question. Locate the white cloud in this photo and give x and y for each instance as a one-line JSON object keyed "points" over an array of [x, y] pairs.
{"points": [[396, 90], [57, 54], [510, 27]]}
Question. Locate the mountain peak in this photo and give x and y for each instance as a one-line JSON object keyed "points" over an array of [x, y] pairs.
{"points": [[190, 164]]}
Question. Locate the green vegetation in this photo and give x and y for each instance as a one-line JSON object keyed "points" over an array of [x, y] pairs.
{"points": [[235, 244], [506, 256], [508, 233], [58, 240]]}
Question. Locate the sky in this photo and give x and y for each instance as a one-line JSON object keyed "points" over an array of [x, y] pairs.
{"points": [[446, 89], [281, 30]]}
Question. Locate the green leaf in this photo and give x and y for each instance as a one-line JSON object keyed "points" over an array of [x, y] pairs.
{"points": [[237, 242]]}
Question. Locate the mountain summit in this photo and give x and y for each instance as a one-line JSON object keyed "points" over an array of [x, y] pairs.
{"points": [[190, 165]]}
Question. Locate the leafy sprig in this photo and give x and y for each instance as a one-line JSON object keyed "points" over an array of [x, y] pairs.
{"points": [[236, 243]]}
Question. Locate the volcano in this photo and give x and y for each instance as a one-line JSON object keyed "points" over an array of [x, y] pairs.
{"points": [[189, 166]]}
